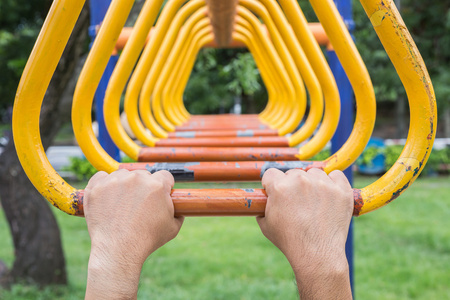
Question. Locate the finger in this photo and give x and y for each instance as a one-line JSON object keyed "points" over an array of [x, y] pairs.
{"points": [[98, 177], [119, 173], [318, 175], [296, 172], [165, 177], [340, 179], [270, 176], [141, 172]]}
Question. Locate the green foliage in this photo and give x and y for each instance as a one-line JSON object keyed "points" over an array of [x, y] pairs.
{"points": [[368, 155], [429, 24], [81, 167], [20, 22], [242, 74], [322, 155], [218, 76], [439, 160]]}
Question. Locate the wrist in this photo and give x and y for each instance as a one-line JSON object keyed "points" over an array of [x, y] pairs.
{"points": [[322, 277], [112, 276]]}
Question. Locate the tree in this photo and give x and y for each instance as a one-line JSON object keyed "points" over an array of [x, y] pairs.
{"points": [[220, 75], [36, 237]]}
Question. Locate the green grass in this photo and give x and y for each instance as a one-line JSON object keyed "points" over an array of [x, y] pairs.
{"points": [[401, 252]]}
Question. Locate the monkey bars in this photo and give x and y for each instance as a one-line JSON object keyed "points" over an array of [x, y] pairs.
{"points": [[224, 202]]}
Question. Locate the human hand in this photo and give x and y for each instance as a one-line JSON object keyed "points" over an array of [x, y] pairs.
{"points": [[307, 217], [129, 215]]}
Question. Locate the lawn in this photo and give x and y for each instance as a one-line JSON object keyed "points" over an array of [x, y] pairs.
{"points": [[401, 252]]}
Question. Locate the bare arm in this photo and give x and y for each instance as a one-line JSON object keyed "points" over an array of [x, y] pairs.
{"points": [[307, 217], [129, 215]]}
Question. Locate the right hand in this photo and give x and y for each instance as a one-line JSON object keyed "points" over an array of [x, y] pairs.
{"points": [[307, 214]]}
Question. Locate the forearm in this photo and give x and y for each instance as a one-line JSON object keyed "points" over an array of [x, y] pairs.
{"points": [[323, 279], [112, 278]]}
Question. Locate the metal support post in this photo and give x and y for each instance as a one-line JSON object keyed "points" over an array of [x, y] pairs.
{"points": [[98, 11], [346, 119]]}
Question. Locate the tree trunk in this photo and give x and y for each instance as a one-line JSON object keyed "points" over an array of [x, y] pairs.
{"points": [[39, 257]]}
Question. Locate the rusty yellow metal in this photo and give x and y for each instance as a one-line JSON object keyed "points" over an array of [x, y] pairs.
{"points": [[27, 106], [411, 69], [119, 78]]}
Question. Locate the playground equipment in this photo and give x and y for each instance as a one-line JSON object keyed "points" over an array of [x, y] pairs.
{"points": [[364, 125], [221, 202]]}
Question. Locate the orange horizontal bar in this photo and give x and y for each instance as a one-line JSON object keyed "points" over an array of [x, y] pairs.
{"points": [[190, 154], [268, 141], [219, 202], [316, 28], [223, 133]]}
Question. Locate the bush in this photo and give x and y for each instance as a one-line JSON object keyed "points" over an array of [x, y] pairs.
{"points": [[83, 169], [438, 162]]}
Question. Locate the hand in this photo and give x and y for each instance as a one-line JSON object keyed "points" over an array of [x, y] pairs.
{"points": [[307, 217], [129, 215]]}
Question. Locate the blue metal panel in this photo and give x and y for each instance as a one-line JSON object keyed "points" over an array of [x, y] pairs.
{"points": [[98, 11], [346, 120]]}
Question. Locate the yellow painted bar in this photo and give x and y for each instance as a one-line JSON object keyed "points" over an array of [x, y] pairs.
{"points": [[27, 106], [301, 61], [119, 78], [181, 83], [173, 108], [145, 107], [295, 93], [296, 89], [327, 82], [411, 69], [88, 81], [141, 71], [356, 71]]}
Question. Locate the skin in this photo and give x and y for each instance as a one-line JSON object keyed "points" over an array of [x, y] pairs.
{"points": [[307, 217]]}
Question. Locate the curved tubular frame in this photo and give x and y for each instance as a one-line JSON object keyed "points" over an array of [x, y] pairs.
{"points": [[327, 82], [112, 115], [119, 78], [162, 82], [48, 50], [142, 69], [181, 86], [145, 108], [181, 78], [276, 18]]}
